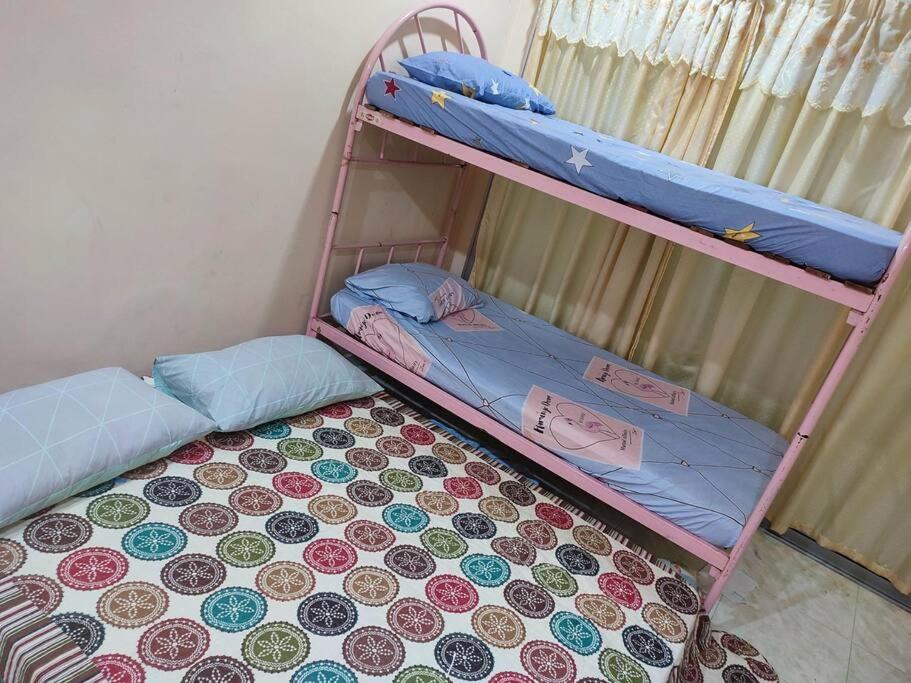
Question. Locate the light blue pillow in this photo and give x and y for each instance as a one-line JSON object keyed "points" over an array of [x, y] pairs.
{"points": [[65, 436], [476, 78], [419, 290], [261, 380]]}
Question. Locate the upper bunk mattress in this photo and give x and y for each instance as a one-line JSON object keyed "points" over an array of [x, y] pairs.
{"points": [[847, 247], [682, 456]]}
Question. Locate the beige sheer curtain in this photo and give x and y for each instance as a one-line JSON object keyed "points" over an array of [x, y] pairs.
{"points": [[813, 98], [664, 87]]}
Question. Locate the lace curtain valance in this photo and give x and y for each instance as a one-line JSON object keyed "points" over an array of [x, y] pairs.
{"points": [[842, 54]]}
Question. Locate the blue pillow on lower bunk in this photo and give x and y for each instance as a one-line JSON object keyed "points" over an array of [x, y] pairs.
{"points": [[261, 380], [66, 436], [478, 79], [424, 292]]}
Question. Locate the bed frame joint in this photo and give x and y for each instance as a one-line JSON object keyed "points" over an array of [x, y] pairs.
{"points": [[859, 287], [737, 243], [818, 273]]}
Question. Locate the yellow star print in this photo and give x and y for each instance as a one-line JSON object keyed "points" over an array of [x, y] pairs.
{"points": [[744, 234], [439, 97]]}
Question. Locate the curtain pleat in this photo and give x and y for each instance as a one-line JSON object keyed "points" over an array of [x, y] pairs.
{"points": [[585, 273]]}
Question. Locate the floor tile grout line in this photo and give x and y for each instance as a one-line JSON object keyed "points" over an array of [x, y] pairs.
{"points": [[761, 595], [830, 628], [839, 564], [900, 667], [861, 588], [853, 630], [850, 655], [819, 622]]}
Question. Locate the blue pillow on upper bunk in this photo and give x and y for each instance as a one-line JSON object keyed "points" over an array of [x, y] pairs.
{"points": [[478, 79], [424, 292]]}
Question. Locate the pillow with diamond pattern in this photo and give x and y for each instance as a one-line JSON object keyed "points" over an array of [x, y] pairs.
{"points": [[261, 380], [63, 437]]}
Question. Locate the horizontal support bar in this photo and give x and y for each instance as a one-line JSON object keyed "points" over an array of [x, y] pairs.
{"points": [[378, 161], [637, 218], [677, 535], [388, 245]]}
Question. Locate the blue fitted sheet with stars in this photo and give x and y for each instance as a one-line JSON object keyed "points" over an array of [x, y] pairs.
{"points": [[703, 470], [770, 221]]}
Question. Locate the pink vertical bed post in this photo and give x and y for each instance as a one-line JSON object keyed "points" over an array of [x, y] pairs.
{"points": [[449, 220], [360, 260], [374, 57], [458, 28], [417, 23], [861, 321]]}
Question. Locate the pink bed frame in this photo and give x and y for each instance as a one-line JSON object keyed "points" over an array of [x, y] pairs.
{"points": [[863, 305]]}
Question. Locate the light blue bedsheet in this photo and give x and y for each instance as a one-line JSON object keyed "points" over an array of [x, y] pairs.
{"points": [[686, 458], [806, 233]]}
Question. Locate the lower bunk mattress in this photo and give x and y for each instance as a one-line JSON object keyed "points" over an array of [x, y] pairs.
{"points": [[353, 543], [682, 456]]}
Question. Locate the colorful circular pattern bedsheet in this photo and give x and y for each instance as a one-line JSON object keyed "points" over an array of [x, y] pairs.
{"points": [[346, 544]]}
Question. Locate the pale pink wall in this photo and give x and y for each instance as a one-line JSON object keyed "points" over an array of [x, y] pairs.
{"points": [[166, 168]]}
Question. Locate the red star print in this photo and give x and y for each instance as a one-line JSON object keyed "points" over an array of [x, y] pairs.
{"points": [[391, 87]]}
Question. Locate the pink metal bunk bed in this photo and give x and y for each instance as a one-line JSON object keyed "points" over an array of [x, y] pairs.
{"points": [[863, 304]]}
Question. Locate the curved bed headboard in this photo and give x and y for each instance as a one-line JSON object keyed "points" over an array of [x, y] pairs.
{"points": [[376, 59], [375, 56]]}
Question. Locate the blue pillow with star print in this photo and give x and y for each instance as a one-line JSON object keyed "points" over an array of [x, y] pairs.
{"points": [[478, 79]]}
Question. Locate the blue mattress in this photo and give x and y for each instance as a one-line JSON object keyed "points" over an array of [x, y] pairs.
{"points": [[847, 247], [684, 457]]}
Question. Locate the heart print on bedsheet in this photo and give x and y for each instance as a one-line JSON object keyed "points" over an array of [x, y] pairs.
{"points": [[381, 333], [562, 425]]}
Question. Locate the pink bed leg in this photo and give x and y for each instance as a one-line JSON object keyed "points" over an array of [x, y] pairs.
{"points": [[333, 221], [451, 213], [861, 323]]}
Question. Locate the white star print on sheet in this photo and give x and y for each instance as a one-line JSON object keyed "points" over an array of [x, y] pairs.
{"points": [[579, 159]]}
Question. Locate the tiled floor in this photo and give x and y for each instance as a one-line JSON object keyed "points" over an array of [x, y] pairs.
{"points": [[811, 623]]}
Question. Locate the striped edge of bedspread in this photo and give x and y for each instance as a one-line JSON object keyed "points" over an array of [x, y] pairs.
{"points": [[33, 649]]}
